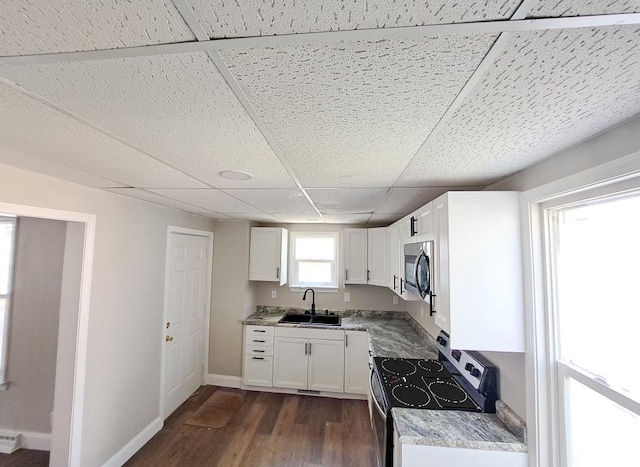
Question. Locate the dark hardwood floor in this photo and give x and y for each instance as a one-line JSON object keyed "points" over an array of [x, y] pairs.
{"points": [[25, 458], [269, 430]]}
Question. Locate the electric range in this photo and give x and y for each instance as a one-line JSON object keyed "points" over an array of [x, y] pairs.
{"points": [[457, 380]]}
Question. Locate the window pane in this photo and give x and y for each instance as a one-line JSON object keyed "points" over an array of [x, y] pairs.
{"points": [[6, 239], [599, 431], [598, 275], [315, 248], [314, 272]]}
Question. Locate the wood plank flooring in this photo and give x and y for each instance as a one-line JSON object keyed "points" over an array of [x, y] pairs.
{"points": [[269, 430]]}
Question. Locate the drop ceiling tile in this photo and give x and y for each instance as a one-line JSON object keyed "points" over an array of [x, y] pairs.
{"points": [[211, 199], [275, 201], [162, 201], [406, 200], [549, 90], [176, 107], [384, 219], [354, 113], [347, 200], [346, 218], [300, 219], [257, 217], [546, 9], [270, 17], [22, 160], [35, 27], [29, 126]]}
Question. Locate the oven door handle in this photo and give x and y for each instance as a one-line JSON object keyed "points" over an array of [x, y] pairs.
{"points": [[373, 396]]}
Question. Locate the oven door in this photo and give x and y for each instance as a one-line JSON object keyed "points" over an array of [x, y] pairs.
{"points": [[382, 435]]}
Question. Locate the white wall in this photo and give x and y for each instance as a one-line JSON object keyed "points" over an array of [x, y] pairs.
{"points": [[125, 322], [363, 297], [27, 404], [233, 296]]}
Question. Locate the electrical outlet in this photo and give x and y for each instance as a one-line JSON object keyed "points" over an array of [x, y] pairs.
{"points": [[273, 294], [395, 299], [347, 297], [421, 312]]}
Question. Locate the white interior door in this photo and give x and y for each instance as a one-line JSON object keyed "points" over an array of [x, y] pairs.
{"points": [[184, 318]]}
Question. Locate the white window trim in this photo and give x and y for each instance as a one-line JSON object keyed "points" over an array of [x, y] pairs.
{"points": [[293, 268], [541, 373], [4, 382]]}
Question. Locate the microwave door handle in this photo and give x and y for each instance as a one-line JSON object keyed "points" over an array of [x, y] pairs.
{"points": [[417, 277]]}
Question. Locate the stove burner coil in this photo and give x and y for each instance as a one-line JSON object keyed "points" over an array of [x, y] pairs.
{"points": [[411, 395], [399, 367]]}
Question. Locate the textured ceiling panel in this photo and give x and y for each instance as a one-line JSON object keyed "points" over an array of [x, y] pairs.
{"points": [[35, 128], [346, 218], [551, 8], [406, 200], [355, 113], [276, 201], [213, 200], [276, 17], [347, 200], [161, 200], [256, 217], [39, 165], [177, 107], [300, 219], [547, 91], [384, 219], [35, 27]]}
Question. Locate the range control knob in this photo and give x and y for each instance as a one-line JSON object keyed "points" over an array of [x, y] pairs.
{"points": [[475, 372], [469, 367], [441, 340], [456, 354]]}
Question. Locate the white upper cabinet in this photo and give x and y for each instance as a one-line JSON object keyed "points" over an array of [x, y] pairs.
{"points": [[378, 256], [355, 256], [419, 226], [268, 254], [478, 273]]}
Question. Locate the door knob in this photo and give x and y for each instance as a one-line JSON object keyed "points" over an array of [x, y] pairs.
{"points": [[168, 339]]}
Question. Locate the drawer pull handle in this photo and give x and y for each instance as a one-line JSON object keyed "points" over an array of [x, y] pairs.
{"points": [[259, 351], [259, 330], [258, 340], [257, 358]]}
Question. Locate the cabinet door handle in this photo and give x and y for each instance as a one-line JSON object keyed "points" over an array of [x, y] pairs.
{"points": [[277, 273], [257, 358], [368, 275], [395, 278], [431, 309], [414, 231], [346, 340], [401, 281], [346, 274], [305, 349], [309, 348]]}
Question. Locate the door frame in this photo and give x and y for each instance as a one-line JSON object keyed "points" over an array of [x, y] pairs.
{"points": [[172, 229], [80, 364]]}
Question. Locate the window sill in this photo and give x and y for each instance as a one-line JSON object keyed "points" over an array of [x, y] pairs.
{"points": [[316, 289]]}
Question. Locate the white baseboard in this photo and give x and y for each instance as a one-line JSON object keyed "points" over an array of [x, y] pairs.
{"points": [[35, 441], [223, 380], [133, 446], [11, 441], [334, 395]]}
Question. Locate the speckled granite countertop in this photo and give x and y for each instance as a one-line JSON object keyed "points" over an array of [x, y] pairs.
{"points": [[396, 334]]}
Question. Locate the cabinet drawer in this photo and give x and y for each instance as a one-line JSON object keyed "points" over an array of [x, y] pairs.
{"points": [[259, 350], [258, 371], [258, 339], [262, 331]]}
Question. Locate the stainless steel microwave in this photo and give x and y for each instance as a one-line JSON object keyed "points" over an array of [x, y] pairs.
{"points": [[418, 270]]}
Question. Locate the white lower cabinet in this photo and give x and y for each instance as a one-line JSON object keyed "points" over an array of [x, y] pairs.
{"points": [[309, 359], [258, 356], [258, 371], [356, 362]]}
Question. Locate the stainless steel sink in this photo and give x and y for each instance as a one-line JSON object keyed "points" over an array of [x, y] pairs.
{"points": [[325, 320]]}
